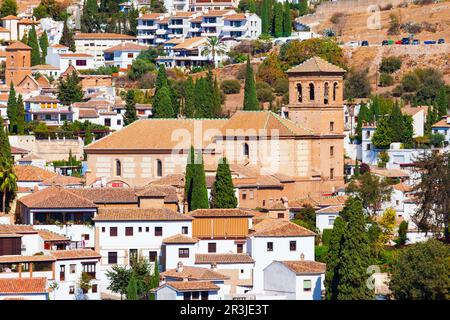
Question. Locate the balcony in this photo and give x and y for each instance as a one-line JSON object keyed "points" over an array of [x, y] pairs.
{"points": [[233, 28], [161, 31], [146, 36]]}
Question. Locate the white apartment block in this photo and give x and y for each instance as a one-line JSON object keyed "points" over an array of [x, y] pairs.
{"points": [[96, 43], [60, 57]]}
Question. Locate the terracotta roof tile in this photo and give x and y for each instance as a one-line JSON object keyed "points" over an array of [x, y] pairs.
{"points": [[42, 99], [180, 238], [316, 64], [76, 55], [176, 180], [402, 187], [17, 45], [17, 228], [150, 16], [389, 173], [17, 259], [88, 113], [128, 46], [100, 36], [223, 258], [60, 180], [301, 267], [139, 214], [200, 213], [15, 150], [23, 285], [193, 285], [236, 17], [75, 254], [108, 195], [441, 124], [331, 209], [32, 173], [194, 273], [48, 235], [317, 201], [56, 197], [279, 228]]}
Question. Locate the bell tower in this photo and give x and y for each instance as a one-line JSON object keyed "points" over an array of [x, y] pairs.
{"points": [[316, 104], [316, 96], [18, 62]]}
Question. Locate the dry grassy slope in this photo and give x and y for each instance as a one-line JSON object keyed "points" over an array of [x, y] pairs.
{"points": [[356, 25]]}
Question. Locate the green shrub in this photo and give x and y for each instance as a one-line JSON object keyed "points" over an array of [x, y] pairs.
{"points": [[410, 82], [230, 86], [326, 236], [390, 64], [265, 95], [386, 80], [321, 253], [281, 86]]}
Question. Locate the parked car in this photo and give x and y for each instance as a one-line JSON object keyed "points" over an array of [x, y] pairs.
{"points": [[415, 41], [406, 41], [352, 44], [364, 43], [398, 42], [440, 41], [384, 42], [429, 42]]}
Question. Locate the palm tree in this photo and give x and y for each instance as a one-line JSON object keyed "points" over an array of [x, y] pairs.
{"points": [[214, 47], [8, 180]]}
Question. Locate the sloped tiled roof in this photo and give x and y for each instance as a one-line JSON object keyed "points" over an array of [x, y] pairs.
{"points": [[315, 64], [192, 285], [331, 209], [108, 195], [441, 124], [17, 45], [180, 238], [88, 113], [32, 173], [128, 46], [199, 213], [318, 201], [56, 197], [23, 285], [194, 273], [304, 266], [75, 254], [48, 235], [223, 258], [102, 36], [279, 228], [15, 150], [60, 180], [139, 214], [154, 190], [17, 258], [16, 228], [176, 180]]}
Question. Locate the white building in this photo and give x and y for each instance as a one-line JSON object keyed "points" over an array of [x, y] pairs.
{"points": [[443, 127], [297, 280], [60, 57], [24, 289], [95, 43], [123, 55], [325, 217], [48, 110]]}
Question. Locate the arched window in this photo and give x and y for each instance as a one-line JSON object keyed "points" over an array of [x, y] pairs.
{"points": [[159, 168], [335, 86], [311, 92], [326, 92], [299, 92], [246, 150], [23, 61], [118, 168]]}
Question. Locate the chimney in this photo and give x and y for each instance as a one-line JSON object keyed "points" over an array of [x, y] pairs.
{"points": [[179, 266], [213, 266], [302, 257]]}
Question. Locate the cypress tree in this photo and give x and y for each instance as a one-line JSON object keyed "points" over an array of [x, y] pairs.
{"points": [[382, 138], [278, 20], [303, 8], [88, 136], [34, 44], [265, 16], [69, 90], [20, 116], [189, 174], [24, 39], [252, 6], [43, 43], [442, 102], [5, 148], [222, 193], [199, 193], [355, 255], [162, 104], [132, 16], [395, 122], [90, 17], [130, 109], [189, 98], [431, 119], [333, 259], [11, 109], [67, 38], [201, 99], [217, 105], [287, 23], [161, 78], [250, 98], [132, 288]]}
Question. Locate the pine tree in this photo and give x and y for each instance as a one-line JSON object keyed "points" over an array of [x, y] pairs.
{"points": [[43, 43], [431, 119], [303, 8], [11, 109], [363, 116], [161, 78], [382, 138], [132, 16], [34, 44], [333, 259], [8, 7], [189, 110], [69, 90], [222, 193], [67, 38], [252, 6], [130, 108], [278, 20], [355, 255], [20, 116], [443, 102], [162, 104], [395, 122], [250, 98], [132, 288], [287, 23], [88, 136], [24, 39], [90, 17], [199, 193]]}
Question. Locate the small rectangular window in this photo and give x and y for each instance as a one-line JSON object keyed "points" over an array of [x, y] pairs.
{"points": [[269, 246], [103, 229], [113, 231], [112, 257], [147, 229], [152, 256], [140, 229], [73, 268], [128, 231], [94, 288], [158, 231], [212, 247], [184, 230], [332, 126], [71, 289], [306, 285], [331, 151], [293, 245], [183, 252], [331, 173]]}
